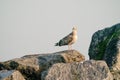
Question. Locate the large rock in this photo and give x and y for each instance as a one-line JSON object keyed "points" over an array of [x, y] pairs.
{"points": [[11, 75], [31, 66], [88, 70], [105, 45]]}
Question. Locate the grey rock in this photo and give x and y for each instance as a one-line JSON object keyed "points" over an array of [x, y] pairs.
{"points": [[105, 45], [11, 75], [116, 75], [31, 66], [87, 70]]}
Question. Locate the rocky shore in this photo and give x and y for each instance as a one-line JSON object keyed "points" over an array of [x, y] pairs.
{"points": [[104, 62]]}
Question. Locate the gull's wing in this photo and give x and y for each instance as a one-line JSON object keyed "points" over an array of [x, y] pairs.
{"points": [[66, 40]]}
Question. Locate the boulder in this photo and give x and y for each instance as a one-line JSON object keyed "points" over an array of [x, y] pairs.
{"points": [[105, 45], [87, 70], [31, 66], [11, 75]]}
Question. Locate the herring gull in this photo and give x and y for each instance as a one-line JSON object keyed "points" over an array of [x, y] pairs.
{"points": [[69, 39]]}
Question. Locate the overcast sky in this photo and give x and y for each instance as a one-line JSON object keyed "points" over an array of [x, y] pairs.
{"points": [[33, 26]]}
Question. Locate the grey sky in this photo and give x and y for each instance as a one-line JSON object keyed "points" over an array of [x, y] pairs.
{"points": [[33, 26]]}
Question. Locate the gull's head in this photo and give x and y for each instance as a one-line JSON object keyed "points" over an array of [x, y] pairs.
{"points": [[74, 28]]}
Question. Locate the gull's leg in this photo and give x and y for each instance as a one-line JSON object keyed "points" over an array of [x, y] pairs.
{"points": [[72, 49], [68, 47]]}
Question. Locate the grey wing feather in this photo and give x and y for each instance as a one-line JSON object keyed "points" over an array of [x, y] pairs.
{"points": [[66, 40]]}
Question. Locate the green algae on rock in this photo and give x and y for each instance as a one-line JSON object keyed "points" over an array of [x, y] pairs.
{"points": [[105, 45]]}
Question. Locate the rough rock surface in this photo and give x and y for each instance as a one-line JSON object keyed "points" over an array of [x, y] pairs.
{"points": [[105, 45], [11, 75], [31, 66], [88, 70]]}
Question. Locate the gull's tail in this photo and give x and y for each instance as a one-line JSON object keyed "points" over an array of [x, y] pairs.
{"points": [[56, 44]]}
